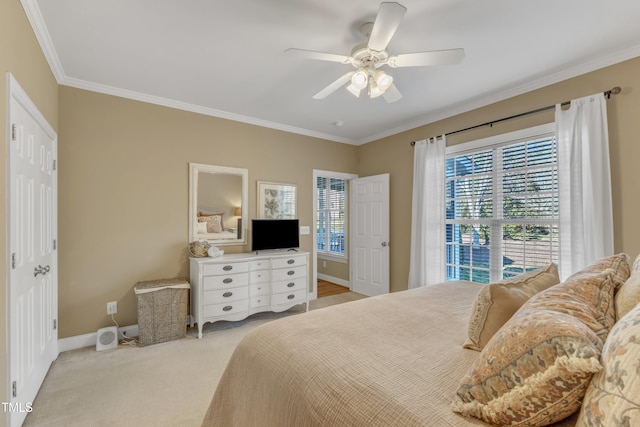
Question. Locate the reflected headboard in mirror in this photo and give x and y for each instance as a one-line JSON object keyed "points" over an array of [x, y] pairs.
{"points": [[218, 204]]}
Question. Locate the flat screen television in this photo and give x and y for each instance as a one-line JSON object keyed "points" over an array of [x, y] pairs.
{"points": [[274, 234]]}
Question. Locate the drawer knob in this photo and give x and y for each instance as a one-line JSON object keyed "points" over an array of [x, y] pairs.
{"points": [[291, 272], [291, 285], [227, 280], [227, 268], [227, 308], [292, 296], [227, 294], [291, 261]]}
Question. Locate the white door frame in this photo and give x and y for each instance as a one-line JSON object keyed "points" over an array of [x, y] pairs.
{"points": [[16, 93], [314, 249]]}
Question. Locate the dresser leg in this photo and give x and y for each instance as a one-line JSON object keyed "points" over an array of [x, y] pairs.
{"points": [[199, 331]]}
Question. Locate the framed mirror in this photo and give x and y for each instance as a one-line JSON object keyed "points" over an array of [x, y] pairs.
{"points": [[218, 204]]}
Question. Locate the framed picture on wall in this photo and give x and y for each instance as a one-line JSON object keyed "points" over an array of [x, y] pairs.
{"points": [[276, 201]]}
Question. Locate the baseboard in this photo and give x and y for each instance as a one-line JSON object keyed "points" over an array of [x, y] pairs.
{"points": [[335, 280], [89, 340]]}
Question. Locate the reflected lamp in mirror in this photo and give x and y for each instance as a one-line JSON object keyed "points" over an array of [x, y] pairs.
{"points": [[216, 197]]}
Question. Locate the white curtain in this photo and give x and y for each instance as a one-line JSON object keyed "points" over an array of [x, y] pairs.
{"points": [[427, 258], [584, 179]]}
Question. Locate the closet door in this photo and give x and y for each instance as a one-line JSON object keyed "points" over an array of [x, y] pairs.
{"points": [[33, 284]]}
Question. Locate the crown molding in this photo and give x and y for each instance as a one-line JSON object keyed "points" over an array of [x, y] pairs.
{"points": [[185, 106], [34, 16], [583, 68], [37, 23]]}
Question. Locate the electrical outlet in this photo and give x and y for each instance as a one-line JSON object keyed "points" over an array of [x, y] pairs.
{"points": [[112, 307]]}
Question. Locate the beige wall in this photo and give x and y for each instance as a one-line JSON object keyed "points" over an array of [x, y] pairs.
{"points": [[395, 156], [339, 270], [123, 199], [21, 56]]}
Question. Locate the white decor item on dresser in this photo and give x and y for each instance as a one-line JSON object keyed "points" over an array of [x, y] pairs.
{"points": [[234, 286]]}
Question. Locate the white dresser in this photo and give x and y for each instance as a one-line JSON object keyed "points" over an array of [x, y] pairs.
{"points": [[232, 287]]}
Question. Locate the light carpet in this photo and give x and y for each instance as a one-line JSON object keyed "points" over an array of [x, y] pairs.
{"points": [[167, 384]]}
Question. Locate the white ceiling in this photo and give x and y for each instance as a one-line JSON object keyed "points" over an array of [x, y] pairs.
{"points": [[227, 59]]}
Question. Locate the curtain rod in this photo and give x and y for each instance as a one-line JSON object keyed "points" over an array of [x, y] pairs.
{"points": [[614, 91]]}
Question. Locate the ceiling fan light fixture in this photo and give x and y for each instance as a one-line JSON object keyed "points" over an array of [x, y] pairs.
{"points": [[359, 79], [383, 80], [374, 90], [354, 90]]}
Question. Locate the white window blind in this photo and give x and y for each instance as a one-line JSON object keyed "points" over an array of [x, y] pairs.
{"points": [[501, 209], [331, 211]]}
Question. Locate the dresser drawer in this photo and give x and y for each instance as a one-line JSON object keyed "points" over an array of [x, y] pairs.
{"points": [[289, 273], [259, 289], [225, 268], [260, 264], [259, 301], [288, 285], [223, 282], [224, 295], [291, 261], [224, 309], [261, 276], [289, 297]]}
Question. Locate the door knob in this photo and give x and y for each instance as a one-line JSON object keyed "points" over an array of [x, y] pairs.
{"points": [[385, 244]]}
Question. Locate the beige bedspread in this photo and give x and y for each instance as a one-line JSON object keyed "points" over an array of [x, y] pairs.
{"points": [[392, 360]]}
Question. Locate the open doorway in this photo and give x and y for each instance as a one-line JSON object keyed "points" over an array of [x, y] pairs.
{"points": [[330, 229]]}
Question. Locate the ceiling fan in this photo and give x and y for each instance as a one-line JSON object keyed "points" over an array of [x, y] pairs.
{"points": [[368, 57]]}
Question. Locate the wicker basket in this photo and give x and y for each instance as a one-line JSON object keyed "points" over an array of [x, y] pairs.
{"points": [[162, 310]]}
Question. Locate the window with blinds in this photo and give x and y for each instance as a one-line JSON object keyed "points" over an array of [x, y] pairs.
{"points": [[501, 210], [331, 212]]}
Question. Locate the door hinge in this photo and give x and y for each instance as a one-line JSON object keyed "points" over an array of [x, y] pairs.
{"points": [[13, 132], [14, 389], [54, 164], [55, 324], [55, 244], [14, 261]]}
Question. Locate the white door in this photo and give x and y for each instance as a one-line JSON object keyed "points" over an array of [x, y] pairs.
{"points": [[33, 285], [370, 235]]}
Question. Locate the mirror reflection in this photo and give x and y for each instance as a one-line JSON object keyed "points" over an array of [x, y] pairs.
{"points": [[217, 197]]}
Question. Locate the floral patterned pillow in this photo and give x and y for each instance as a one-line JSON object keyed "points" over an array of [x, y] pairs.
{"points": [[537, 367], [613, 397]]}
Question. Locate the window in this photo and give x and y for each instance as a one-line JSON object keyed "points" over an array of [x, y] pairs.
{"points": [[331, 211], [501, 209]]}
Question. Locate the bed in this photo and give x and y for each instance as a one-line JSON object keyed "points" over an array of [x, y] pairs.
{"points": [[395, 359], [223, 235], [211, 226], [566, 354]]}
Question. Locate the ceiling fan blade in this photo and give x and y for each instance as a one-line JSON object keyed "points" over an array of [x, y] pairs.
{"points": [[387, 22], [322, 56], [334, 86], [435, 57], [392, 94]]}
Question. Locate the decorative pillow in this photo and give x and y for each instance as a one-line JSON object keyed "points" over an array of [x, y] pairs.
{"points": [[613, 397], [628, 295], [497, 302], [214, 222], [618, 263], [202, 227], [536, 368]]}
